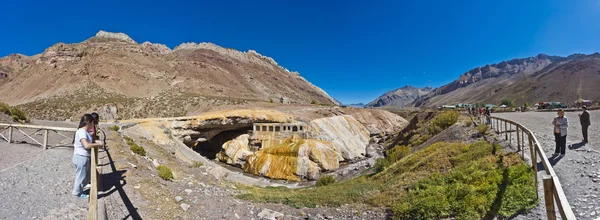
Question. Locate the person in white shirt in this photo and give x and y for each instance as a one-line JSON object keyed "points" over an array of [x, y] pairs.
{"points": [[560, 132], [82, 144]]}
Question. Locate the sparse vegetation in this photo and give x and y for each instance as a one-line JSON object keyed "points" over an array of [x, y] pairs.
{"points": [[164, 172], [508, 102], [468, 123], [482, 129], [446, 119], [444, 180], [314, 102], [15, 113], [381, 164], [135, 148], [270, 100], [196, 164], [114, 128], [326, 180]]}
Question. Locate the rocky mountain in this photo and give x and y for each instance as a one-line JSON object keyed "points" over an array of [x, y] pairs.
{"points": [[527, 80], [117, 68], [400, 97], [357, 105]]}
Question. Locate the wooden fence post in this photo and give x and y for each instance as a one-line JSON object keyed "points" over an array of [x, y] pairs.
{"points": [[549, 197], [523, 140], [518, 141], [45, 145], [10, 131], [505, 131], [510, 136], [93, 206], [532, 151]]}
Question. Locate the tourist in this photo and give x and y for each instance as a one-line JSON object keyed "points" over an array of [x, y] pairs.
{"points": [[584, 118], [93, 130], [560, 132], [488, 113], [81, 154]]}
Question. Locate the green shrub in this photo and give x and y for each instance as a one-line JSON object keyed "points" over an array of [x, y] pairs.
{"points": [[4, 108], [446, 119], [16, 113], [483, 129], [326, 180], [397, 153], [381, 164], [314, 102], [508, 102], [138, 149], [164, 172], [270, 100], [135, 148], [114, 128], [468, 123]]}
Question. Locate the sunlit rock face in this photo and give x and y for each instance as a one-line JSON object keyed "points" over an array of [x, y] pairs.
{"points": [[294, 159], [348, 136], [331, 140], [235, 151]]}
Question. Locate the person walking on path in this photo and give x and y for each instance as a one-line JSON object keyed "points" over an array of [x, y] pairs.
{"points": [[560, 132], [488, 113], [584, 119], [81, 154]]}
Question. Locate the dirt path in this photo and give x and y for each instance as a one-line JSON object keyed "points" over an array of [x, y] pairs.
{"points": [[579, 170]]}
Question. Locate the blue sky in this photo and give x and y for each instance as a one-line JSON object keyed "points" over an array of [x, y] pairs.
{"points": [[354, 50]]}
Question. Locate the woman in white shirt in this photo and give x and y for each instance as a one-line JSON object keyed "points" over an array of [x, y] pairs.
{"points": [[81, 154], [561, 124]]}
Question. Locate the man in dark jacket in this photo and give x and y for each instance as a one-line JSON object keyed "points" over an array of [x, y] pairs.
{"points": [[584, 118]]}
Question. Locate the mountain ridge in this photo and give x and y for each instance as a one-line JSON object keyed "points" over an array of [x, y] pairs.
{"points": [[116, 64], [513, 79], [399, 97]]}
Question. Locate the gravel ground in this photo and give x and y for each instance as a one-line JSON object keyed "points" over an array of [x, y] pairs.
{"points": [[39, 186], [579, 170]]}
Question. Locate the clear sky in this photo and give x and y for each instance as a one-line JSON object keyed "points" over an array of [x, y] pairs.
{"points": [[354, 50]]}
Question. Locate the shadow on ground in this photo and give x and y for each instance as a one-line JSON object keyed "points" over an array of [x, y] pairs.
{"points": [[115, 182]]}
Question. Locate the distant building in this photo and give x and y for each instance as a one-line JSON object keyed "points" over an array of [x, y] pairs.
{"points": [[284, 100]]}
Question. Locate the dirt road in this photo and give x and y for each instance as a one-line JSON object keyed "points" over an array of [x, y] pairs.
{"points": [[579, 170]]}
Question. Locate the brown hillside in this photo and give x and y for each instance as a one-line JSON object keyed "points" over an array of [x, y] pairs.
{"points": [[529, 80], [117, 66]]}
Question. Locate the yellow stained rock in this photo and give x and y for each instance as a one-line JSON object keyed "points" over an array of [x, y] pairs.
{"points": [[294, 159]]}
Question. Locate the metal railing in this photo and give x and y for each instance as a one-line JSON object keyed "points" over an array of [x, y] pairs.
{"points": [[95, 180], [553, 191]]}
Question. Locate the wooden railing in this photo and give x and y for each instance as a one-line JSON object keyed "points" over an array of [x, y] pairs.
{"points": [[21, 127], [95, 180], [553, 191]]}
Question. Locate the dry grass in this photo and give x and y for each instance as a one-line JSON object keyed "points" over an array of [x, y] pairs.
{"points": [[384, 188]]}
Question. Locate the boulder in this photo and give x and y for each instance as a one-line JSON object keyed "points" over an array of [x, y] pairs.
{"points": [[235, 151], [267, 214]]}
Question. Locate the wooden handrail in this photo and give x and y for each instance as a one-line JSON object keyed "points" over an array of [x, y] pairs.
{"points": [[553, 190], [39, 127]]}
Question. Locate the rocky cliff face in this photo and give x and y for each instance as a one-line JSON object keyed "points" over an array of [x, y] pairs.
{"points": [[400, 97], [119, 67], [348, 135], [487, 84]]}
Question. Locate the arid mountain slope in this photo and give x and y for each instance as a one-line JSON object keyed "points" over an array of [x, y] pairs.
{"points": [[115, 64], [529, 80], [400, 97]]}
